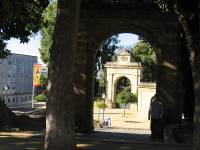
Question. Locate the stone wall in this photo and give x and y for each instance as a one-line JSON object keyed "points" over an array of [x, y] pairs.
{"points": [[99, 22], [145, 92]]}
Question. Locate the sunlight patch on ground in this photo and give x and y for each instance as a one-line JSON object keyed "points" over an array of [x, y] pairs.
{"points": [[84, 145], [125, 147], [18, 134]]}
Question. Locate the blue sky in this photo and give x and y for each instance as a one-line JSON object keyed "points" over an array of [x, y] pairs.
{"points": [[32, 48]]}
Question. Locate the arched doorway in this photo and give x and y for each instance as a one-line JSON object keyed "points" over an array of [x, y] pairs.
{"points": [[116, 70], [96, 26]]}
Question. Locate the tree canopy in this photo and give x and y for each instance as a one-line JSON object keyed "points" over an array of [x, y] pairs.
{"points": [[49, 17], [106, 52], [19, 19], [144, 53], [126, 97]]}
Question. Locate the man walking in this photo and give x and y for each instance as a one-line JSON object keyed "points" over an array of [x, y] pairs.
{"points": [[156, 114]]}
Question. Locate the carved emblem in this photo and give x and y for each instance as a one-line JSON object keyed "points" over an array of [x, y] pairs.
{"points": [[124, 58]]}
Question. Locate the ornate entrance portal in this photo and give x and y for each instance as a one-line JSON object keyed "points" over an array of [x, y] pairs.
{"points": [[116, 70]]}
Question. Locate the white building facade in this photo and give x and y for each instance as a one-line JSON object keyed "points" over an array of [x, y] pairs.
{"points": [[123, 67], [16, 78]]}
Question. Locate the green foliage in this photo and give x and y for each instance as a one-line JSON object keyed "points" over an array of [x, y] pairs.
{"points": [[102, 81], [49, 17], [126, 97], [19, 19], [99, 103], [44, 80], [41, 98], [106, 52], [144, 53], [164, 5], [135, 97], [122, 84], [44, 83]]}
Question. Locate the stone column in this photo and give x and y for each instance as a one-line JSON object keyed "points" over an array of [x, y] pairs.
{"points": [[109, 90], [134, 81], [84, 84], [90, 68], [167, 83], [79, 81]]}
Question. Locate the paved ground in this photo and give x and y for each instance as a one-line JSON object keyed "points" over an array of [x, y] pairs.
{"points": [[118, 121], [130, 132], [27, 107], [35, 141], [103, 145]]}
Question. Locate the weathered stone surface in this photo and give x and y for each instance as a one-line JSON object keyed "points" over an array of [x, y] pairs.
{"points": [[100, 20], [123, 67]]}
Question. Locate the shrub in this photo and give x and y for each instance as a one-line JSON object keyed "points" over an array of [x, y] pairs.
{"points": [[126, 97], [100, 104], [41, 98]]}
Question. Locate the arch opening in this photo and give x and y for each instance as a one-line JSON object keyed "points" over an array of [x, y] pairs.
{"points": [[122, 84], [128, 73]]}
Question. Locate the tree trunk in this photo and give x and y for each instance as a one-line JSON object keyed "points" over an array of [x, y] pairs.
{"points": [[124, 110], [99, 114], [60, 134], [103, 114], [190, 26]]}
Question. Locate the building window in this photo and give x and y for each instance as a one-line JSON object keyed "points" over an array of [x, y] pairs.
{"points": [[13, 99], [8, 100], [8, 87]]}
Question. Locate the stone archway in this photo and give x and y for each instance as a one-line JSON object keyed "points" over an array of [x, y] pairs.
{"points": [[107, 17], [100, 20], [122, 68]]}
